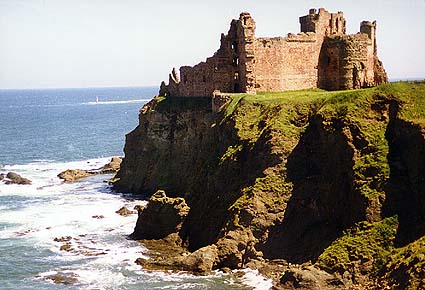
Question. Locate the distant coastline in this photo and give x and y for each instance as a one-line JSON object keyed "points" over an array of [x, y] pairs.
{"points": [[393, 80]]}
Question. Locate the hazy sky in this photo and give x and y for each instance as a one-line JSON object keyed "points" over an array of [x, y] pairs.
{"points": [[92, 43]]}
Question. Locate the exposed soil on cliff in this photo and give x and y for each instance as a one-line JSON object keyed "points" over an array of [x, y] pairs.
{"points": [[333, 179]]}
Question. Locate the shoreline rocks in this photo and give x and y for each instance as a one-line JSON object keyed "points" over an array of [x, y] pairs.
{"points": [[72, 175], [14, 178], [123, 211], [63, 278], [161, 217]]}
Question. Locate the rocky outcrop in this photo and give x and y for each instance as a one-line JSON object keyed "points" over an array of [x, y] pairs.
{"points": [[63, 278], [112, 167], [281, 181], [72, 175], [161, 217], [14, 178], [159, 152], [309, 277], [125, 211], [165, 254]]}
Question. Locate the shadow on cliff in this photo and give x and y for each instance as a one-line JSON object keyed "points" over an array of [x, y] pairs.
{"points": [[180, 146], [406, 193], [323, 201], [220, 187]]}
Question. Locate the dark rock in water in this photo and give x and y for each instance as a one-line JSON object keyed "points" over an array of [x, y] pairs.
{"points": [[1, 176], [62, 239], [98, 217], [161, 217], [164, 254], [125, 211], [66, 247], [63, 278], [72, 175], [14, 178]]}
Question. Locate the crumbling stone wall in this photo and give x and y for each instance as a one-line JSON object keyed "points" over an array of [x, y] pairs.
{"points": [[288, 63], [320, 56], [350, 61]]}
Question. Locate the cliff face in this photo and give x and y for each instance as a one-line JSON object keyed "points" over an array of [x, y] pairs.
{"points": [[301, 176], [160, 152]]}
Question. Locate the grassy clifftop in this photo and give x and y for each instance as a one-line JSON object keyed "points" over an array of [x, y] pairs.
{"points": [[380, 125], [332, 178]]}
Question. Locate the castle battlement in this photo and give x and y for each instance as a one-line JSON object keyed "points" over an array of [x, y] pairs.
{"points": [[320, 56]]}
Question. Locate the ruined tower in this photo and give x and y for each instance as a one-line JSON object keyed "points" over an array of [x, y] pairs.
{"points": [[320, 56], [244, 54], [323, 22]]}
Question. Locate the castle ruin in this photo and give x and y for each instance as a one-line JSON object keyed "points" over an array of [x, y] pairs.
{"points": [[321, 56]]}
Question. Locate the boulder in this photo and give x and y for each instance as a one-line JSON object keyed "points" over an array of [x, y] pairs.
{"points": [[63, 278], [2, 176], [125, 211], [309, 277], [72, 175], [236, 249], [14, 178], [161, 217], [202, 260]]}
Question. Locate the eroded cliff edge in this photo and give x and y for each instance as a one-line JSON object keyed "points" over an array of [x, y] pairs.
{"points": [[332, 181]]}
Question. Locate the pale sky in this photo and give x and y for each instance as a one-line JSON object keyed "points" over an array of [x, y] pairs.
{"points": [[104, 43]]}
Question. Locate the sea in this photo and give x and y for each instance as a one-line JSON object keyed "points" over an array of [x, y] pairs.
{"points": [[56, 235]]}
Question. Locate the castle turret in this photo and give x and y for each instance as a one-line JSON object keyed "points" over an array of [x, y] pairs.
{"points": [[380, 76], [244, 76], [369, 28], [323, 22]]}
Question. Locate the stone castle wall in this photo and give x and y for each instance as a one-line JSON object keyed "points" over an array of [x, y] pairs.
{"points": [[288, 63], [321, 56]]}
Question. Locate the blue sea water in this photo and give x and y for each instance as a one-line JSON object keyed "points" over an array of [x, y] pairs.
{"points": [[67, 124], [44, 132]]}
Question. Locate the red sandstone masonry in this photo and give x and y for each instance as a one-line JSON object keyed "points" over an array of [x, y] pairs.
{"points": [[321, 56]]}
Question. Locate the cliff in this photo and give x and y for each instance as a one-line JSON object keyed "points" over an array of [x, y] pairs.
{"points": [[330, 181]]}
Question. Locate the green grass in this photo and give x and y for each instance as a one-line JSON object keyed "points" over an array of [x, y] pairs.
{"points": [[405, 268], [363, 243], [231, 153], [286, 114]]}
